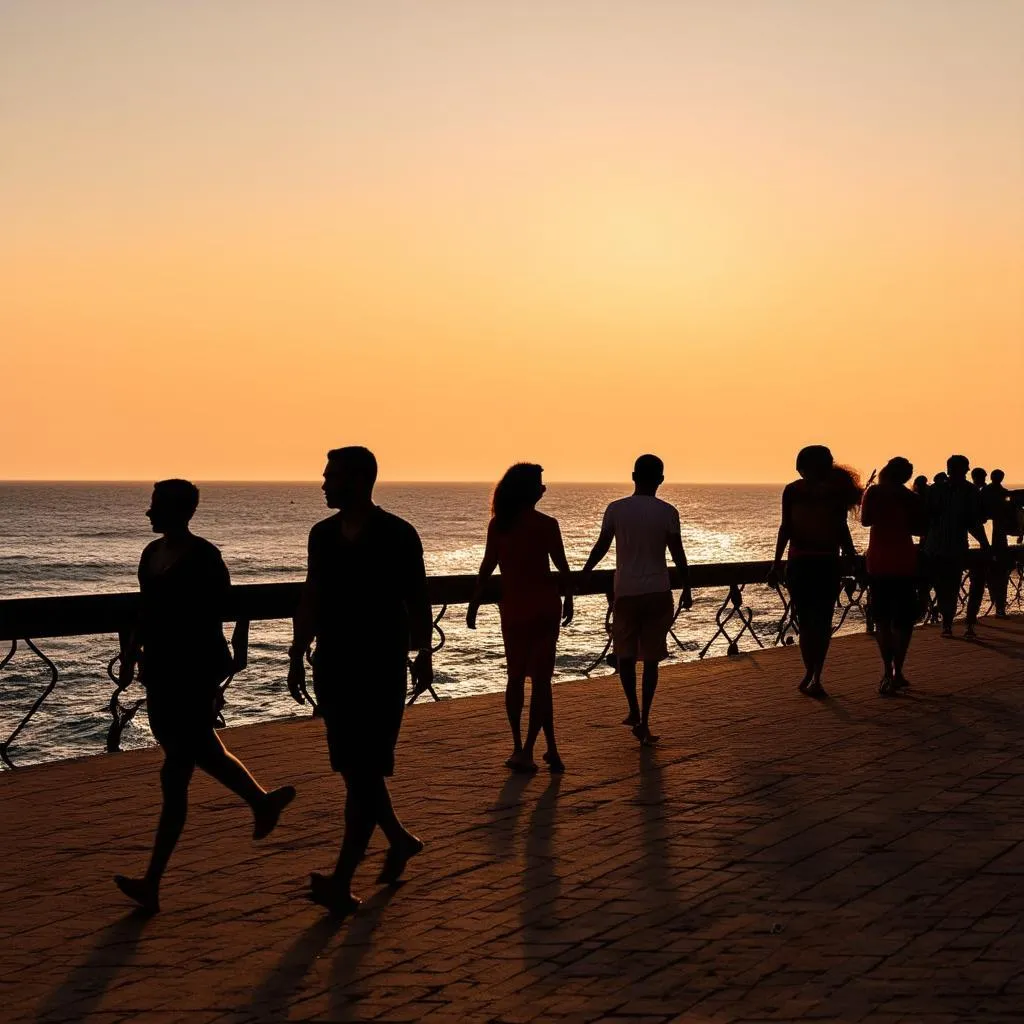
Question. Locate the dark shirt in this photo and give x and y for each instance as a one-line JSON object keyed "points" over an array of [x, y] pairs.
{"points": [[180, 628], [815, 514], [954, 509], [369, 593]]}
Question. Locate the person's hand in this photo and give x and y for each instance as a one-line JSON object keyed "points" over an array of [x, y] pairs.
{"points": [[297, 678], [567, 610], [422, 671], [774, 577], [471, 615], [686, 599]]}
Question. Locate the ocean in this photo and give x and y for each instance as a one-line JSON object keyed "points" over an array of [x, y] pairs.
{"points": [[83, 538]]}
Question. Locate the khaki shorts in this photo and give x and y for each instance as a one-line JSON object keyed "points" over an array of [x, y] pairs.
{"points": [[640, 624]]}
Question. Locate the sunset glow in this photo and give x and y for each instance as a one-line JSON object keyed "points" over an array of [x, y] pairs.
{"points": [[236, 234]]}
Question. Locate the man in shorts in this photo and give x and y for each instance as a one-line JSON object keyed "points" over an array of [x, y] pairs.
{"points": [[365, 603], [894, 514], [643, 527]]}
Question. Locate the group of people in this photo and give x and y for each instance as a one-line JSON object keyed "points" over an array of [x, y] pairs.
{"points": [[365, 608], [901, 574]]}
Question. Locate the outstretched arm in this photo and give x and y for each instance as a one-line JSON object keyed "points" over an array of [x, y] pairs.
{"points": [[678, 553], [603, 545], [561, 563], [304, 625], [487, 567], [785, 531]]}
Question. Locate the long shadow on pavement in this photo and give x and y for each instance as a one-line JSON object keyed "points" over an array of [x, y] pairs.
{"points": [[81, 992]]}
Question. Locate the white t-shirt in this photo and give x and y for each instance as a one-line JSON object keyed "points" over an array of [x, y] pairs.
{"points": [[642, 525]]}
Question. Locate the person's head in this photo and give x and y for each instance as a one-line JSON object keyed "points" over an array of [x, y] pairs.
{"points": [[920, 483], [814, 462], [978, 475], [846, 484], [349, 476], [957, 467], [172, 506], [517, 491], [997, 476], [648, 474], [896, 471], [940, 478]]}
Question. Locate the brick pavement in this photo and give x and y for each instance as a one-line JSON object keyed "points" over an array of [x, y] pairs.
{"points": [[774, 859]]}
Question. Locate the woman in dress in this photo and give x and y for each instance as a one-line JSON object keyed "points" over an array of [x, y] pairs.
{"points": [[523, 543], [179, 645], [815, 529]]}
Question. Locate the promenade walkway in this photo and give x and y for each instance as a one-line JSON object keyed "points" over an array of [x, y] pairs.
{"points": [[775, 858]]}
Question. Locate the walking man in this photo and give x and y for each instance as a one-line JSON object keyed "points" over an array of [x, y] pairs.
{"points": [[954, 511], [365, 604], [642, 526]]}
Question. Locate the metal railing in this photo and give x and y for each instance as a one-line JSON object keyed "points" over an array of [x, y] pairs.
{"points": [[26, 621]]}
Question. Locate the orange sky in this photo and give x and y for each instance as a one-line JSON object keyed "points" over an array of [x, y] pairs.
{"points": [[237, 233]]}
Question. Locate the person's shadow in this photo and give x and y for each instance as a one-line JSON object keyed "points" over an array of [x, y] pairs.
{"points": [[81, 992], [542, 885], [358, 941], [501, 830], [271, 1001]]}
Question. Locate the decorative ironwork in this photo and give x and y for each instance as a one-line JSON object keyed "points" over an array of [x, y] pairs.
{"points": [[418, 691], [5, 746], [733, 608], [734, 622]]}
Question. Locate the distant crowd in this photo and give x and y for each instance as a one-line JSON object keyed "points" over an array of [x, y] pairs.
{"points": [[365, 608]]}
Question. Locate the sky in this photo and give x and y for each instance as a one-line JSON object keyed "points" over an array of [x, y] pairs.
{"points": [[235, 233]]}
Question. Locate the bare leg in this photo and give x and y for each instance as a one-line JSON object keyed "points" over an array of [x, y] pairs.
{"points": [[360, 821], [219, 763], [514, 698], [649, 686], [900, 645], [175, 776], [627, 676], [886, 646], [541, 716]]}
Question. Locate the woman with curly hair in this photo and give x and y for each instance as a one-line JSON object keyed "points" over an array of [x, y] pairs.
{"points": [[815, 528], [522, 542]]}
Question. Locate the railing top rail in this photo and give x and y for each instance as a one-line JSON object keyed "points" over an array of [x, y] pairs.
{"points": [[85, 614]]}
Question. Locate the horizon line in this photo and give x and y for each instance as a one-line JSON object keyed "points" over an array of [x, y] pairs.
{"points": [[402, 483]]}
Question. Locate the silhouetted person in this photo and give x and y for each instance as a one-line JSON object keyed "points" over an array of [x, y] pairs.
{"points": [[814, 527], [643, 527], [894, 515], [1001, 513], [978, 477], [921, 486], [522, 542], [954, 511], [365, 603], [183, 657], [940, 479]]}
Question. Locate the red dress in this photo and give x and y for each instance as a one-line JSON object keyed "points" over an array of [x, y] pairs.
{"points": [[530, 605]]}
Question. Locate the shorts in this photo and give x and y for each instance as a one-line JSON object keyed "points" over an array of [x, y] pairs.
{"points": [[894, 600], [530, 646], [813, 584], [361, 704], [182, 721], [640, 625]]}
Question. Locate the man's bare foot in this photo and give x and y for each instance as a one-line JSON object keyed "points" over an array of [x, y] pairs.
{"points": [[324, 891], [267, 815], [885, 687], [900, 681], [969, 633], [815, 689], [805, 682], [633, 718], [144, 893], [396, 858], [554, 762]]}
